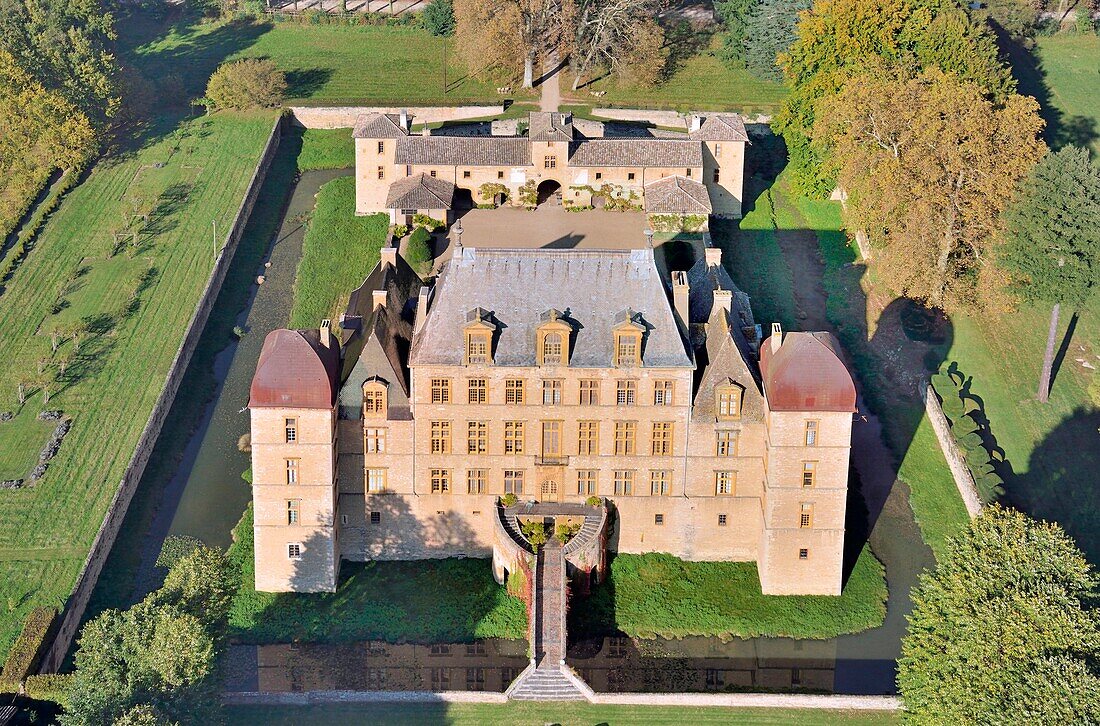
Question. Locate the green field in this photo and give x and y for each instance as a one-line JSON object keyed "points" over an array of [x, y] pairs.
{"points": [[325, 149], [1063, 73]]}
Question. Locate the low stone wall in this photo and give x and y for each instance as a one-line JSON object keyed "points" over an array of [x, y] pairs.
{"points": [[344, 117], [669, 119], [108, 530], [964, 480], [307, 698]]}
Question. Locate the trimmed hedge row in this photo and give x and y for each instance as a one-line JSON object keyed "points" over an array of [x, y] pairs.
{"points": [[949, 386], [27, 650], [49, 687]]}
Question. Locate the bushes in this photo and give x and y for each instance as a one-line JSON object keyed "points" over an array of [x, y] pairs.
{"points": [[535, 532], [419, 251], [175, 548], [49, 687], [429, 223], [439, 18], [25, 654], [677, 222], [509, 500], [248, 83], [489, 190], [953, 393]]}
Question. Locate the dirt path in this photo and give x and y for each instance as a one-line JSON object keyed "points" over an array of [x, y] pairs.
{"points": [[550, 85]]}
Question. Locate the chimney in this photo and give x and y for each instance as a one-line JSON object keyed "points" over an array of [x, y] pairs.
{"points": [[326, 333], [405, 119], [680, 297], [713, 256], [378, 298], [723, 299], [696, 122], [388, 256], [777, 336], [423, 300]]}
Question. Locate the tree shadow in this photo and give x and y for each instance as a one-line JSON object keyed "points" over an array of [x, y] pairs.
{"points": [[305, 82], [683, 42], [1060, 356]]}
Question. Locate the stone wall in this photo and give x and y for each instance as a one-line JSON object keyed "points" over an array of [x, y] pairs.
{"points": [[344, 117], [668, 119], [108, 530], [964, 480]]}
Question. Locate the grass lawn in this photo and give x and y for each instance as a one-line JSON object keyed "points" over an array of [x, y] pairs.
{"points": [[339, 252], [427, 601], [658, 595], [22, 438], [1063, 73], [325, 149], [538, 714]]}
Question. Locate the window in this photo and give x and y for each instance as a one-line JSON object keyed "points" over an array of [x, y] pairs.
{"points": [[476, 391], [662, 439], [662, 393], [626, 349], [586, 482], [477, 437], [809, 471], [660, 483], [441, 390], [811, 433], [551, 438], [588, 438], [475, 679], [551, 392], [590, 393], [381, 147], [466, 175], [500, 175], [514, 437], [441, 481], [549, 162], [514, 393], [724, 483], [624, 438], [717, 149], [630, 176], [551, 349], [549, 488], [439, 649], [475, 481], [806, 517], [291, 431], [408, 212], [381, 172], [624, 483], [803, 554], [725, 443], [625, 392], [294, 551], [476, 648], [374, 441], [513, 481], [432, 173], [715, 678], [722, 520], [658, 519], [599, 175], [717, 176], [293, 510], [344, 519], [688, 173], [292, 471], [376, 518], [441, 437], [477, 347], [729, 401], [376, 481], [441, 679], [374, 399]]}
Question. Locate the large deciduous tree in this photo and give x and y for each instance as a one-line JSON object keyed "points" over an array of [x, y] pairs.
{"points": [[1004, 629], [928, 162], [1051, 240], [498, 33], [620, 35]]}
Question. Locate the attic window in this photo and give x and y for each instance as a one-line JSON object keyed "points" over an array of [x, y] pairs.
{"points": [[477, 348], [628, 347], [552, 340], [728, 401], [374, 399], [551, 349]]}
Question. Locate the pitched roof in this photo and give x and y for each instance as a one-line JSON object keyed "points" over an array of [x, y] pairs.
{"points": [[379, 126], [677, 195], [721, 127], [420, 191], [464, 151], [554, 126], [295, 371], [590, 287], [806, 374], [636, 152]]}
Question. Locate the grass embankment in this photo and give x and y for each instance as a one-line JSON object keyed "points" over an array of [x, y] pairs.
{"points": [[427, 601], [536, 714], [339, 251], [325, 149], [658, 595]]}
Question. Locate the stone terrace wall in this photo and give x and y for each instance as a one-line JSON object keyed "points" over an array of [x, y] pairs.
{"points": [[108, 531], [343, 117], [964, 480]]}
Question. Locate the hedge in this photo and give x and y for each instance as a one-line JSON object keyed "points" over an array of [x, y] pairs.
{"points": [[27, 650], [49, 687]]}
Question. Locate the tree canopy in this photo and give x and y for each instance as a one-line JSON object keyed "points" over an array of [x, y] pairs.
{"points": [[1004, 629], [620, 35], [769, 32], [246, 83], [439, 17]]}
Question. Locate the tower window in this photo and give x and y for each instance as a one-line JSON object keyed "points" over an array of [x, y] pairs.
{"points": [[724, 482], [466, 175], [722, 520], [293, 511], [809, 473], [662, 393], [500, 175], [291, 431], [725, 443], [381, 147], [728, 401], [806, 517], [662, 439], [381, 172], [294, 551], [441, 437], [658, 519], [441, 481], [376, 481], [292, 471], [441, 390], [811, 433], [803, 554], [717, 176], [630, 176], [376, 518]]}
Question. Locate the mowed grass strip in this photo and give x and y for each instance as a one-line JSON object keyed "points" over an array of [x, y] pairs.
{"points": [[118, 373], [325, 149], [658, 595], [339, 251]]}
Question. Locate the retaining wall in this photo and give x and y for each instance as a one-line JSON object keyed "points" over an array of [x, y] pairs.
{"points": [[344, 117], [669, 119], [964, 480], [108, 530]]}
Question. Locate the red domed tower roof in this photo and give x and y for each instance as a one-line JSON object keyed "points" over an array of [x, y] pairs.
{"points": [[805, 373], [296, 370]]}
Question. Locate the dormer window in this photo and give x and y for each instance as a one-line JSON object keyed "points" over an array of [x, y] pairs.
{"points": [[553, 339], [374, 398], [727, 399], [479, 338], [551, 349], [628, 340]]}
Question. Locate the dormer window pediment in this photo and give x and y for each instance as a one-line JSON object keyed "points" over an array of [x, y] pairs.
{"points": [[375, 397], [479, 332]]}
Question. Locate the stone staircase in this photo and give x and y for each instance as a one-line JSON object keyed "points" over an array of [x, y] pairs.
{"points": [[589, 530]]}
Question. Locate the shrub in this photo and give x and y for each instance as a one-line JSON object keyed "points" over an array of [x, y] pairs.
{"points": [[419, 252], [400, 230], [566, 532], [49, 687], [593, 501], [677, 222], [247, 83], [175, 548], [509, 500], [25, 653], [439, 17], [535, 532], [488, 190], [429, 223]]}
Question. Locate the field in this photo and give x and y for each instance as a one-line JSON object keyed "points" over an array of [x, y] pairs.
{"points": [[1063, 73], [325, 149]]}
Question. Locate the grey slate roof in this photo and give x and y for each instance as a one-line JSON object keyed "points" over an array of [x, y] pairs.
{"points": [[420, 191], [464, 151], [592, 288], [721, 127], [545, 126], [677, 195], [379, 126], [636, 152]]}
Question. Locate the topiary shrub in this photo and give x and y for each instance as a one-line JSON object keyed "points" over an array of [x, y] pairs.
{"points": [[535, 532], [593, 501], [419, 252], [430, 223], [27, 650], [52, 687], [509, 500], [247, 83]]}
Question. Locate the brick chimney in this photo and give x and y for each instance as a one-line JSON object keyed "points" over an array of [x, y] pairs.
{"points": [[696, 122], [405, 119], [423, 300], [388, 256], [680, 296], [713, 256]]}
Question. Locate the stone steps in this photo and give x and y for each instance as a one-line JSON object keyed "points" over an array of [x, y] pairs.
{"points": [[546, 683]]}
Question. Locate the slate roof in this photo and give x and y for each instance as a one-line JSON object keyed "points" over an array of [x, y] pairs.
{"points": [[295, 371], [420, 191], [721, 127], [552, 126], [379, 126], [677, 195], [591, 288], [636, 152], [464, 151], [806, 373]]}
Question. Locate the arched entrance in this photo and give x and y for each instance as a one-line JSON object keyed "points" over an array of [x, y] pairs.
{"points": [[547, 190]]}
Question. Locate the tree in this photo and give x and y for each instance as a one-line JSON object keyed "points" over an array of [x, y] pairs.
{"points": [[1003, 630], [929, 163], [201, 582], [733, 15], [247, 83], [419, 251], [619, 35], [1051, 241], [439, 17], [496, 33], [769, 31]]}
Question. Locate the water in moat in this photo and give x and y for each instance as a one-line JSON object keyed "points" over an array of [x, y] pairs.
{"points": [[206, 497]]}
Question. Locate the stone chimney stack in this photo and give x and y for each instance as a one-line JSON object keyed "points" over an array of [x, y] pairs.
{"points": [[423, 301], [326, 333], [405, 119], [388, 255], [680, 296], [724, 299], [696, 122], [378, 298], [713, 256], [776, 337]]}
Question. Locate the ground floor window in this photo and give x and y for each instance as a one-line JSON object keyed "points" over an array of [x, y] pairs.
{"points": [[513, 481], [294, 550]]}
